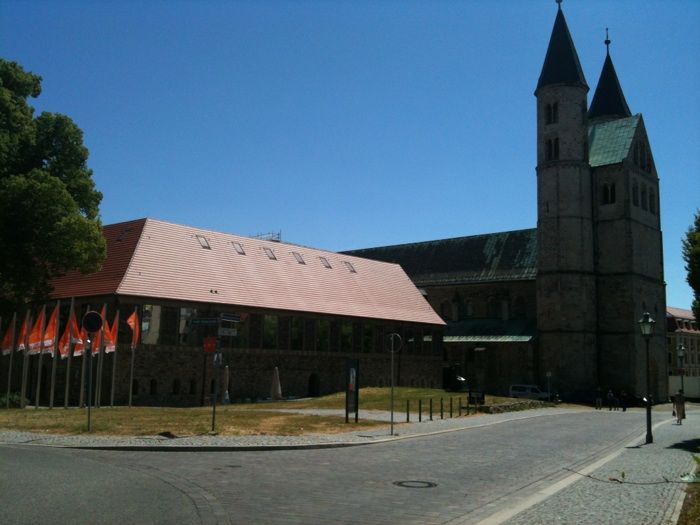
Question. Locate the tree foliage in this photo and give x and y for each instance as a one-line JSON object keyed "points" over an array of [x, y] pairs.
{"points": [[691, 256], [49, 206]]}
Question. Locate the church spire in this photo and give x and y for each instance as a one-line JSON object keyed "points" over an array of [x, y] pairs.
{"points": [[561, 65], [608, 100]]}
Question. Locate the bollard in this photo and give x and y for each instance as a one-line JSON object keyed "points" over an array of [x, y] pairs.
{"points": [[420, 410], [431, 409], [442, 409], [450, 407], [408, 413]]}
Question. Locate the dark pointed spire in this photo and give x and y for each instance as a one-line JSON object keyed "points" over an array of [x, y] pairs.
{"points": [[561, 65], [608, 100]]}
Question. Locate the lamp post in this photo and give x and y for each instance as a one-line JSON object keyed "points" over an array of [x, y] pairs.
{"points": [[681, 356], [646, 325]]}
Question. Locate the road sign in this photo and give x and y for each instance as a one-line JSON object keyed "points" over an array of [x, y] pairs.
{"points": [[204, 320], [210, 344], [231, 318], [228, 331], [92, 321]]}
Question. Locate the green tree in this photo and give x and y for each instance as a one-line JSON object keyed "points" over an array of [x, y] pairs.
{"points": [[691, 255], [49, 207]]}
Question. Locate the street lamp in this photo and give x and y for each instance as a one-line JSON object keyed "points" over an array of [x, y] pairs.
{"points": [[646, 325], [681, 356]]}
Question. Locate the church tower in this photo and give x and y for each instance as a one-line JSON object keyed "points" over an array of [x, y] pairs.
{"points": [[566, 282], [628, 250]]}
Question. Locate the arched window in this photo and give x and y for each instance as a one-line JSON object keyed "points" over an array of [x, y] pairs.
{"points": [[635, 193], [644, 196], [491, 307], [551, 113], [446, 310]]}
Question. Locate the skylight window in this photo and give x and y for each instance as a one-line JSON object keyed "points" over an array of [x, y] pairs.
{"points": [[349, 266], [270, 254], [325, 262], [298, 257], [203, 242], [238, 247]]}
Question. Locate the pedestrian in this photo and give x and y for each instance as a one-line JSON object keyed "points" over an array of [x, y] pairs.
{"points": [[598, 398], [623, 400], [610, 399], [679, 407]]}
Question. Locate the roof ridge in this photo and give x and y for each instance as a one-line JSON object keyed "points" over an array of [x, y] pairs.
{"points": [[442, 240]]}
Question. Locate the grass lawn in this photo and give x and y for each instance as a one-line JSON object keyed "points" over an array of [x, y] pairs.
{"points": [[238, 419]]}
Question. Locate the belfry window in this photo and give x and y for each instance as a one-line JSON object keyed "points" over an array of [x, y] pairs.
{"points": [[551, 113], [552, 149]]}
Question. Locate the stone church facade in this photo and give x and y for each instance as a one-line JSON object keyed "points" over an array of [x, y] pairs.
{"points": [[559, 305]]}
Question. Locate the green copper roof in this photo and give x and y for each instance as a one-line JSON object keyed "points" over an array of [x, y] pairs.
{"points": [[610, 141], [503, 256], [490, 331]]}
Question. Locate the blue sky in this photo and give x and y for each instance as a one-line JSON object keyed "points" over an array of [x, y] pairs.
{"points": [[348, 124]]}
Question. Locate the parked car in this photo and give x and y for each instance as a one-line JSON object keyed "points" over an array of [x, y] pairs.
{"points": [[528, 392]]}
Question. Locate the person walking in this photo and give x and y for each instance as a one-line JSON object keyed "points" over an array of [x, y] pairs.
{"points": [[610, 397], [598, 398], [679, 407], [623, 400]]}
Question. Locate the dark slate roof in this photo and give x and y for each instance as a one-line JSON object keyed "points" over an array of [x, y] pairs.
{"points": [[503, 256], [561, 64], [610, 141], [608, 100], [490, 331]]}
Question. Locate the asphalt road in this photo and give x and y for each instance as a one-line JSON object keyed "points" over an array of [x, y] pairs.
{"points": [[462, 476]]}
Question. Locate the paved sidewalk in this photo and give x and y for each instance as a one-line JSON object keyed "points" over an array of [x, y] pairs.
{"points": [[637, 484]]}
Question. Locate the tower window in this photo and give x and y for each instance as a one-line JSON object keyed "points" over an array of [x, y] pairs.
{"points": [[548, 153], [551, 113], [555, 155]]}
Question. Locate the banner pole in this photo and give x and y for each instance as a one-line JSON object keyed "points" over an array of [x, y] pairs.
{"points": [[55, 344], [42, 327], [12, 351]]}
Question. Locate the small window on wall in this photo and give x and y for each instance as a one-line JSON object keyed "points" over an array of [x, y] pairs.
{"points": [[150, 324], [297, 336], [368, 338], [323, 335], [346, 337], [270, 327]]}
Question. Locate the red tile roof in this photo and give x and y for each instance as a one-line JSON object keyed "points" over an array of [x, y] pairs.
{"points": [[156, 259]]}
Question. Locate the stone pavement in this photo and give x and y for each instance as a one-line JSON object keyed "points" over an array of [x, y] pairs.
{"points": [[636, 484]]}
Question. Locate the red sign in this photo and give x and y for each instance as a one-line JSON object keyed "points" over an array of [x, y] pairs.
{"points": [[210, 344]]}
